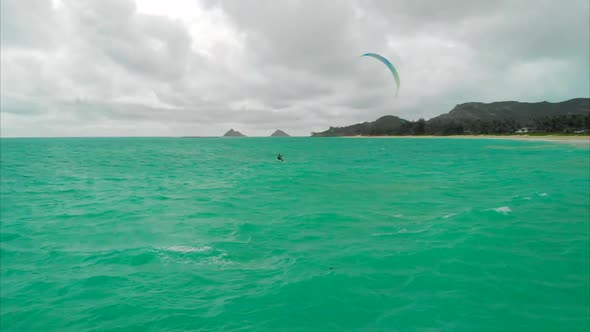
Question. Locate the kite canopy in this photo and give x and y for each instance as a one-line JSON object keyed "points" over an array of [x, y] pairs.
{"points": [[389, 65]]}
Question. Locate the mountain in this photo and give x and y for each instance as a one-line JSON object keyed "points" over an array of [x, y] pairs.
{"points": [[386, 125], [279, 133], [512, 110], [233, 133], [508, 116], [481, 118]]}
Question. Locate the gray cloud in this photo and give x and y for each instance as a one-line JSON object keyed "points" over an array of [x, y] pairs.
{"points": [[31, 24], [150, 47], [96, 67]]}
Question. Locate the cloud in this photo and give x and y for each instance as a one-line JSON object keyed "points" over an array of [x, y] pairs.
{"points": [[32, 24], [183, 67]]}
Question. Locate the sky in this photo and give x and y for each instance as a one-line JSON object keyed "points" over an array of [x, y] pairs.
{"points": [[201, 67]]}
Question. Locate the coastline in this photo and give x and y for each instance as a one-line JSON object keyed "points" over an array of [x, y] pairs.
{"points": [[583, 140]]}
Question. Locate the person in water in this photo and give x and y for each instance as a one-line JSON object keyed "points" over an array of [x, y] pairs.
{"points": [[280, 157]]}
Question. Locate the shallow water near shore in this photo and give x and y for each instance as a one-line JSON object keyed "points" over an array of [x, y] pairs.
{"points": [[171, 234]]}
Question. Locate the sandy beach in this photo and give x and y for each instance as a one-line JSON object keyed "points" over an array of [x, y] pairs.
{"points": [[577, 140]]}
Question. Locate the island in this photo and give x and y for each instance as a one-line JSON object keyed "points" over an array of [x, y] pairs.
{"points": [[233, 133], [279, 133]]}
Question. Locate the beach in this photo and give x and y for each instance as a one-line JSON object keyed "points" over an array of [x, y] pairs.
{"points": [[576, 140]]}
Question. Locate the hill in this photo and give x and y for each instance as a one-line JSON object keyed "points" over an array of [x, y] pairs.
{"points": [[233, 133], [516, 111], [386, 125], [279, 133], [482, 118]]}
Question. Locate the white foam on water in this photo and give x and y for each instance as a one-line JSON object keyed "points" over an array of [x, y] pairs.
{"points": [[503, 209], [399, 215], [543, 194], [401, 231], [383, 234], [219, 260], [187, 249]]}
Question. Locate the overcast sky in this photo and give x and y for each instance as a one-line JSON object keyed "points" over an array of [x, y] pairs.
{"points": [[189, 67]]}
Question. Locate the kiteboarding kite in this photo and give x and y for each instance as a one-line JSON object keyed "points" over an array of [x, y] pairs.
{"points": [[389, 65]]}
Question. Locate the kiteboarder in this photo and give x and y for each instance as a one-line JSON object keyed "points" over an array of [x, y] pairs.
{"points": [[280, 157]]}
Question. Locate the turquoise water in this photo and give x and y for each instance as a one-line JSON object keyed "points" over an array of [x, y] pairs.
{"points": [[171, 234]]}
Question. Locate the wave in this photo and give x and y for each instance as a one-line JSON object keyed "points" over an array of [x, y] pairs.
{"points": [[401, 231], [193, 255], [187, 249], [503, 209], [384, 234]]}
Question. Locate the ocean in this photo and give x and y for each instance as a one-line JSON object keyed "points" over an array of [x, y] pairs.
{"points": [[216, 234]]}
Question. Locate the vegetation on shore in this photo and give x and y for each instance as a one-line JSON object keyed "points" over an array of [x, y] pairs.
{"points": [[571, 117]]}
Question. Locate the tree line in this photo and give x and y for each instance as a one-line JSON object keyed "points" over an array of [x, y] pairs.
{"points": [[396, 126]]}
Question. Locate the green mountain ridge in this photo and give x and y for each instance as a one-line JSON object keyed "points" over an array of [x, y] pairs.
{"points": [[481, 118]]}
